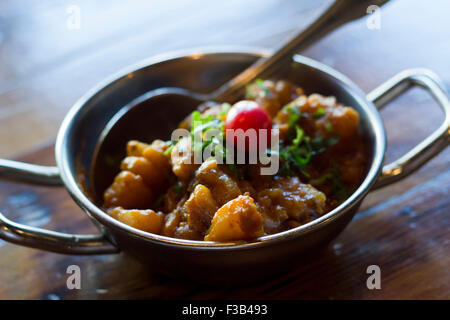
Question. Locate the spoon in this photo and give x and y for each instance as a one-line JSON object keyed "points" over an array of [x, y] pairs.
{"points": [[153, 104], [337, 14]]}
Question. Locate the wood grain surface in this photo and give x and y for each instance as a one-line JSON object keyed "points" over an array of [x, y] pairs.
{"points": [[45, 67]]}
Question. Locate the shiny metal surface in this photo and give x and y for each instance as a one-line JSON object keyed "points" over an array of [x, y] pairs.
{"points": [[311, 75], [54, 241], [430, 146], [29, 172], [337, 14], [83, 130]]}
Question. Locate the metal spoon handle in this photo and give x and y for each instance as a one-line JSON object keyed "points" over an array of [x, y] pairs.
{"points": [[337, 14]]}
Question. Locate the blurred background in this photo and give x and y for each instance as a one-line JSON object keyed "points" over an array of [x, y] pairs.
{"points": [[52, 52]]}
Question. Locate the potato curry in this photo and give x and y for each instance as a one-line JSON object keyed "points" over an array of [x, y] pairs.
{"points": [[161, 190]]}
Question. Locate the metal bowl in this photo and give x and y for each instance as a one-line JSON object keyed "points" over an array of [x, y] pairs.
{"points": [[204, 70]]}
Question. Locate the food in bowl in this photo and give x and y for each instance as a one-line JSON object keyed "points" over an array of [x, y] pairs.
{"points": [[162, 189]]}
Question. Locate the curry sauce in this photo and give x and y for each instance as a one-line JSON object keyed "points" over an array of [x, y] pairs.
{"points": [[161, 190]]}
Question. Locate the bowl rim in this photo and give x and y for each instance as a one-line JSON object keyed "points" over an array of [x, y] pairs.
{"points": [[74, 189]]}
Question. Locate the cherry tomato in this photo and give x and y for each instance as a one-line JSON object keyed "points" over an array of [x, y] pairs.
{"points": [[246, 115]]}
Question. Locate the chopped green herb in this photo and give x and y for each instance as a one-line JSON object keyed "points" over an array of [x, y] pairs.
{"points": [[249, 92], [319, 113], [294, 115], [299, 136], [159, 201], [202, 124], [329, 127], [198, 120], [297, 155], [320, 144], [218, 149], [339, 189], [177, 188], [321, 180], [170, 148], [233, 168], [266, 90], [225, 108]]}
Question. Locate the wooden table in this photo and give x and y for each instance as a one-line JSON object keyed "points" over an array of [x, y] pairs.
{"points": [[47, 63]]}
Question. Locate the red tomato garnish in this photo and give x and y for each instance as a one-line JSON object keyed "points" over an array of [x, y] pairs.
{"points": [[246, 115]]}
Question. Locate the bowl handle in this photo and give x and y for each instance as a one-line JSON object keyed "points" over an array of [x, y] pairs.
{"points": [[41, 238], [434, 143]]}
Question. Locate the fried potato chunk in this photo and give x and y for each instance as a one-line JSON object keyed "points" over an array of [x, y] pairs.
{"points": [[351, 166], [343, 121], [152, 174], [182, 159], [288, 198], [238, 219], [183, 231], [155, 154], [128, 191], [321, 116], [201, 208], [171, 221], [136, 148], [149, 162], [145, 220], [272, 96], [222, 185]]}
